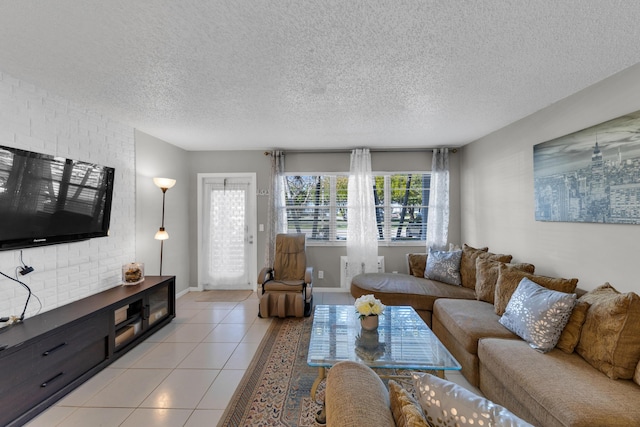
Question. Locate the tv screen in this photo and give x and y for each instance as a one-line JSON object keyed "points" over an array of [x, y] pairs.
{"points": [[46, 199]]}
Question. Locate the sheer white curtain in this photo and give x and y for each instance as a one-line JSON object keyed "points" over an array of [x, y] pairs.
{"points": [[362, 230], [438, 217], [277, 213]]}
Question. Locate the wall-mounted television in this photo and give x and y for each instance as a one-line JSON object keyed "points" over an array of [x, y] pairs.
{"points": [[46, 199]]}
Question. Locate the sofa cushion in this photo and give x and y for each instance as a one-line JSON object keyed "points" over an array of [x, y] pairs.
{"points": [[448, 404], [417, 262], [487, 271], [554, 388], [537, 314], [509, 278], [468, 265], [443, 266], [405, 409], [403, 289], [610, 338], [469, 320], [571, 333]]}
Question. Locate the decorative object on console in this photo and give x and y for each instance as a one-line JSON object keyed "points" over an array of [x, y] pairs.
{"points": [[537, 314], [368, 309], [133, 273], [164, 184], [443, 266]]}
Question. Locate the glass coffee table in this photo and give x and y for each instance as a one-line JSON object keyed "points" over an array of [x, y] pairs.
{"points": [[402, 342]]}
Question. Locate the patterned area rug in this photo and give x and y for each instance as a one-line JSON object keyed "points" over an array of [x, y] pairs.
{"points": [[275, 390]]}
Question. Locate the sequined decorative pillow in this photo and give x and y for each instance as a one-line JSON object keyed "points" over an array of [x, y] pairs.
{"points": [[443, 266], [447, 404], [509, 278], [406, 411], [537, 314]]}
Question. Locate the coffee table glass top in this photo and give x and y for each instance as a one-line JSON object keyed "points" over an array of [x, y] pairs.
{"points": [[402, 340]]}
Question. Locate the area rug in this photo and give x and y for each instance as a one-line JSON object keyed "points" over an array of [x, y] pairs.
{"points": [[224, 296], [275, 391]]}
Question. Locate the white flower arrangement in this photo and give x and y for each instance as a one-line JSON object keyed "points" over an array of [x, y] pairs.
{"points": [[368, 305]]}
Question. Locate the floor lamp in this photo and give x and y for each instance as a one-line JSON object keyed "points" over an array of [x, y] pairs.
{"points": [[164, 184]]}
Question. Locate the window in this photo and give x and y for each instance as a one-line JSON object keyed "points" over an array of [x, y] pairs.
{"points": [[317, 206]]}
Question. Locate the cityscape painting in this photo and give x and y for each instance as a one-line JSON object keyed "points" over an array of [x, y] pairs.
{"points": [[592, 175]]}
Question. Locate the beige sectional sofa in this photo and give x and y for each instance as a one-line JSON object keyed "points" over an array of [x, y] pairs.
{"points": [[589, 380], [356, 396]]}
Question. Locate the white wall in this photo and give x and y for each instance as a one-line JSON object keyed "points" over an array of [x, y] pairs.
{"points": [[34, 119], [156, 158], [497, 198]]}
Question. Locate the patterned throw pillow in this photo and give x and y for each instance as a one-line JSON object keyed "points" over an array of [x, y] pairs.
{"points": [[417, 262], [610, 338], [448, 404], [487, 272], [406, 411], [509, 278], [443, 266], [538, 315], [571, 333]]}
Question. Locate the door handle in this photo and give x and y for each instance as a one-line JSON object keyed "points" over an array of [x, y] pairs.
{"points": [[250, 240]]}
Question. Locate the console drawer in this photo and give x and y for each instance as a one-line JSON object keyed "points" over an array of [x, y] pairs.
{"points": [[41, 385], [16, 367]]}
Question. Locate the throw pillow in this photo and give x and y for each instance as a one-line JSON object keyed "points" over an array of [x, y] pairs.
{"points": [[610, 338], [443, 266], [538, 315], [468, 264], [509, 278], [571, 334], [636, 376], [406, 411], [487, 275], [417, 263], [448, 404]]}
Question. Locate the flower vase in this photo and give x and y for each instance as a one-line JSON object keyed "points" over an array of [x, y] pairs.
{"points": [[369, 323]]}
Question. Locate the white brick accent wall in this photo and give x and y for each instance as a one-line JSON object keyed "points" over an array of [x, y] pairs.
{"points": [[33, 119]]}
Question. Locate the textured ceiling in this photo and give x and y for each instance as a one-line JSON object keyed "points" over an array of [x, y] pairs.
{"points": [[255, 74]]}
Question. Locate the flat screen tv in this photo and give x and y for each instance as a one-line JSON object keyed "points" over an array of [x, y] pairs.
{"points": [[46, 200]]}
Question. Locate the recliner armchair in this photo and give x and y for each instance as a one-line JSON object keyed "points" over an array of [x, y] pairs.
{"points": [[287, 287]]}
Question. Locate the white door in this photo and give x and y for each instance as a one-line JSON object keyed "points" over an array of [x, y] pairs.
{"points": [[226, 229]]}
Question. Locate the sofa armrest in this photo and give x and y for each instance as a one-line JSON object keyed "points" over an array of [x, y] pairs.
{"points": [[355, 396], [265, 274], [308, 275]]}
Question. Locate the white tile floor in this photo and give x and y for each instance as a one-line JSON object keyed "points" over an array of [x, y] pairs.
{"points": [[184, 375]]}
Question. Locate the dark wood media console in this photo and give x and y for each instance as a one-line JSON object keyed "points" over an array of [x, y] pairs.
{"points": [[50, 354]]}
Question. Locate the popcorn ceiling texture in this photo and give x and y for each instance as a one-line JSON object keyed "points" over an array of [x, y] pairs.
{"points": [[34, 119], [246, 74]]}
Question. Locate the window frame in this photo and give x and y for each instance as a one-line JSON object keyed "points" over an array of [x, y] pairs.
{"points": [[333, 208]]}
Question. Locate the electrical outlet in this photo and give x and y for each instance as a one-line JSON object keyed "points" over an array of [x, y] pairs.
{"points": [[320, 274]]}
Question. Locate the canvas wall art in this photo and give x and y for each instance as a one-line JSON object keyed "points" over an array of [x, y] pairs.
{"points": [[592, 175]]}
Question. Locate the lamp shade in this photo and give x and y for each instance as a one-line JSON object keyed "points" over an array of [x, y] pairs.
{"points": [[161, 234], [164, 183]]}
